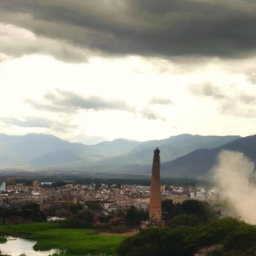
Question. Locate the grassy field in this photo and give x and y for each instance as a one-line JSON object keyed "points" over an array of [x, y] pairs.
{"points": [[73, 241]]}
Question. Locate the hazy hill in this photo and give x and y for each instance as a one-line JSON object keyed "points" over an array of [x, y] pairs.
{"points": [[59, 156], [200, 162], [139, 159], [113, 148], [117, 156], [177, 146], [40, 149], [20, 150]]}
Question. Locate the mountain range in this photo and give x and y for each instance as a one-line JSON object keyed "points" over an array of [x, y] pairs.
{"points": [[185, 155], [200, 162]]}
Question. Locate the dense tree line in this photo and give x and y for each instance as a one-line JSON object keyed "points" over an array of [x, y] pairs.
{"points": [[234, 236], [192, 225], [145, 182], [134, 217], [79, 216], [25, 213], [189, 212]]}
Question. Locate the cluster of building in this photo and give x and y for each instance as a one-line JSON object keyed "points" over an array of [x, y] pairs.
{"points": [[112, 197]]}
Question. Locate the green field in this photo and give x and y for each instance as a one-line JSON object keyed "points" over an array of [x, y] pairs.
{"points": [[73, 241]]}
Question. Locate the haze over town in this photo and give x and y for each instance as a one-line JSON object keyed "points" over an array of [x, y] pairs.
{"points": [[127, 69]]}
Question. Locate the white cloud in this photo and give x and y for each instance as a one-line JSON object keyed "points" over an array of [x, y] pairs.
{"points": [[187, 106]]}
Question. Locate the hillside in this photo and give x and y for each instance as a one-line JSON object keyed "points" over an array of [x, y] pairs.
{"points": [[200, 162], [182, 155], [139, 159], [38, 149]]}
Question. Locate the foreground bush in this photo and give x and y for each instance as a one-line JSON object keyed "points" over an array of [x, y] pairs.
{"points": [[237, 238]]}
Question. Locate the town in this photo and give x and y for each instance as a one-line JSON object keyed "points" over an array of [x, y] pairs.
{"points": [[113, 197]]}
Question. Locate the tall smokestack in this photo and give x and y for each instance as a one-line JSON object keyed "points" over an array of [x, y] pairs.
{"points": [[155, 213]]}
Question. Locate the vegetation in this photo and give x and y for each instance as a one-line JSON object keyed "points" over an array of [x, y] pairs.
{"points": [[3, 240], [25, 213], [73, 241], [189, 212], [134, 216], [236, 238], [191, 226]]}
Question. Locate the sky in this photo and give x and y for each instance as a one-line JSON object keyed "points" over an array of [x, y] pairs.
{"points": [[94, 70]]}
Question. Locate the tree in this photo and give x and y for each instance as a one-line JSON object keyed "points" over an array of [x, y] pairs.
{"points": [[168, 206], [185, 219], [95, 206], [132, 217], [157, 242], [74, 208], [97, 186], [197, 208]]}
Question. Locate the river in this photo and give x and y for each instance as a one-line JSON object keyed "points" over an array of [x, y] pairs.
{"points": [[18, 246]]}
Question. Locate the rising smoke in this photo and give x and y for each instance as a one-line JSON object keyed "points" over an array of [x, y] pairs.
{"points": [[232, 177]]}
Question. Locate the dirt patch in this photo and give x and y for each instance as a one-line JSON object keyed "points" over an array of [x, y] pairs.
{"points": [[129, 233]]}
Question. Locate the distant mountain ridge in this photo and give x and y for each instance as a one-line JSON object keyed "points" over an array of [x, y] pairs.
{"points": [[200, 162], [117, 156], [19, 150]]}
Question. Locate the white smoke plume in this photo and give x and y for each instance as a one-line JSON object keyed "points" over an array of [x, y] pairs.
{"points": [[231, 175]]}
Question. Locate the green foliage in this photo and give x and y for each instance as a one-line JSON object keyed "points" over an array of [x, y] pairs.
{"points": [[243, 239], [32, 211], [97, 186], [134, 216], [74, 241], [31, 206], [237, 238], [28, 228], [29, 212], [130, 181], [168, 206], [85, 215], [186, 220], [188, 213], [74, 223], [3, 240], [74, 208], [197, 208], [214, 232], [29, 183], [82, 219], [94, 206], [157, 242]]}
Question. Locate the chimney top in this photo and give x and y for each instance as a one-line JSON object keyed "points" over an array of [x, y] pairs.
{"points": [[156, 158]]}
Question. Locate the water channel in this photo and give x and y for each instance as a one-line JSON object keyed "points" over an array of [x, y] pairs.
{"points": [[18, 246]]}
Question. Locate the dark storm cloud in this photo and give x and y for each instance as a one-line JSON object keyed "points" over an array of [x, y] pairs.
{"points": [[143, 27], [64, 101], [160, 101]]}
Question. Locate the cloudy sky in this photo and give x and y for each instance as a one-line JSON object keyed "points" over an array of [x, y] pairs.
{"points": [[94, 70]]}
